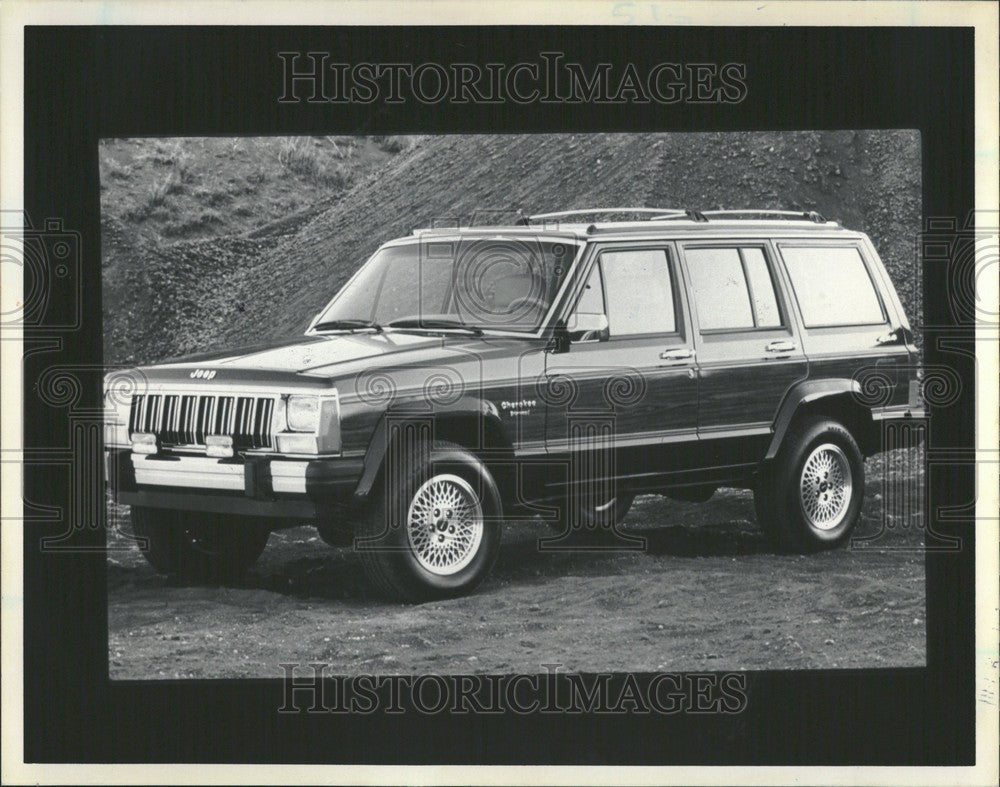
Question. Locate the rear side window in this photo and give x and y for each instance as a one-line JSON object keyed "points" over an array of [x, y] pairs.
{"points": [[832, 286], [733, 289], [639, 292]]}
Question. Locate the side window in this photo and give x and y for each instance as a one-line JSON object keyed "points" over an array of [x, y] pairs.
{"points": [[640, 295], [719, 289], [832, 286], [733, 289]]}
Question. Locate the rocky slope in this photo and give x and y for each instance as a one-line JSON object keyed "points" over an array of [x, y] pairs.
{"points": [[231, 290]]}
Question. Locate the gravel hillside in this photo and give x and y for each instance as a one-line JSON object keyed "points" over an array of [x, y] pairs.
{"points": [[232, 290]]}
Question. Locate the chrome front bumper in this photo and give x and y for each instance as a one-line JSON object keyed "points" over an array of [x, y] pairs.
{"points": [[199, 472], [255, 485]]}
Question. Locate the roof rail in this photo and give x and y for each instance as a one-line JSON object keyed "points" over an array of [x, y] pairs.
{"points": [[658, 212], [810, 215]]}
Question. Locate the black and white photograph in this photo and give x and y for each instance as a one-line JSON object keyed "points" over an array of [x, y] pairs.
{"points": [[421, 393], [613, 475]]}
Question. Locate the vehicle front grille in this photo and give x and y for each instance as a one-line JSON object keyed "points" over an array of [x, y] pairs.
{"points": [[182, 419]]}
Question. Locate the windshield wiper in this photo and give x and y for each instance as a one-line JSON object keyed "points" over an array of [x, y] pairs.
{"points": [[347, 325], [434, 324]]}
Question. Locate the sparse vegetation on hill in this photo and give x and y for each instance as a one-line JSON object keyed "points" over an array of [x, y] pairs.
{"points": [[184, 219], [273, 227], [182, 189]]}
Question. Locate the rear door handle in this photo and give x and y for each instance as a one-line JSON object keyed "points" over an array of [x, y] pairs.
{"points": [[888, 338], [677, 354], [780, 346]]}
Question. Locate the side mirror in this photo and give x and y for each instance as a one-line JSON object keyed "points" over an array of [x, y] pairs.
{"points": [[560, 338], [589, 328]]}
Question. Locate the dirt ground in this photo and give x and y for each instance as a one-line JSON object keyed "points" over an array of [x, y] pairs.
{"points": [[707, 594]]}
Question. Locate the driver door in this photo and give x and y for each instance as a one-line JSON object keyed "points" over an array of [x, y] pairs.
{"points": [[626, 389]]}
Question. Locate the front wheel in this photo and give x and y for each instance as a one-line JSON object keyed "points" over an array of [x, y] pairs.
{"points": [[436, 532], [811, 497], [199, 546]]}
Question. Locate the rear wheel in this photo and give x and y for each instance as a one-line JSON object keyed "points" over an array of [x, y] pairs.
{"points": [[812, 495], [199, 546], [435, 533]]}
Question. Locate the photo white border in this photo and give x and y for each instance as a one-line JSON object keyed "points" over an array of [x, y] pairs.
{"points": [[981, 14]]}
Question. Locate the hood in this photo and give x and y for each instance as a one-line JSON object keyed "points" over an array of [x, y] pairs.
{"points": [[316, 359]]}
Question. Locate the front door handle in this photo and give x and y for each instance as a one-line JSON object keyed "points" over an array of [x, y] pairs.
{"points": [[677, 354], [781, 346]]}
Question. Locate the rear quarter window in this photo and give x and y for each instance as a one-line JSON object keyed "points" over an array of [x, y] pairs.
{"points": [[832, 286]]}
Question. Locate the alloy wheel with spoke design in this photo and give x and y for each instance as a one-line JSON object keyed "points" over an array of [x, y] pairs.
{"points": [[825, 486], [444, 524]]}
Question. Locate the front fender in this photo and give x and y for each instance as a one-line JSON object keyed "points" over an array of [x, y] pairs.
{"points": [[424, 418]]}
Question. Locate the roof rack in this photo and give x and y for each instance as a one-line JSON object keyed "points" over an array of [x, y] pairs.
{"points": [[654, 215], [809, 215], [693, 215], [657, 213]]}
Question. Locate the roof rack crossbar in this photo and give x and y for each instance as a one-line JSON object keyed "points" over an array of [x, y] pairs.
{"points": [[692, 215], [590, 211], [809, 215]]}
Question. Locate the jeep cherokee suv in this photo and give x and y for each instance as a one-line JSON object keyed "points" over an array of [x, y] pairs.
{"points": [[552, 369]]}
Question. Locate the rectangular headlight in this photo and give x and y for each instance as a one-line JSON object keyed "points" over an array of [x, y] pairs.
{"points": [[302, 413], [311, 423]]}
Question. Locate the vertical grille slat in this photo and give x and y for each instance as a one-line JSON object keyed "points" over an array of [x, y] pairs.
{"points": [[155, 408], [266, 421], [230, 415], [242, 420], [170, 413], [256, 418], [187, 419], [189, 412], [133, 415], [213, 412]]}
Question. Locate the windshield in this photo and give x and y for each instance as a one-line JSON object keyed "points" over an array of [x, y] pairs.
{"points": [[505, 284]]}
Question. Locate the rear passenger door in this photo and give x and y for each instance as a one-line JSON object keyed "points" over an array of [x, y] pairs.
{"points": [[748, 348]]}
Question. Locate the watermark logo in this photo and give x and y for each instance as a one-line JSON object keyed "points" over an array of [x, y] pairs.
{"points": [[311, 689], [317, 77]]}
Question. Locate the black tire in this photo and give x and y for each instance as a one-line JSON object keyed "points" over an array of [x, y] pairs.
{"points": [[199, 546], [398, 558], [335, 535], [810, 498]]}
